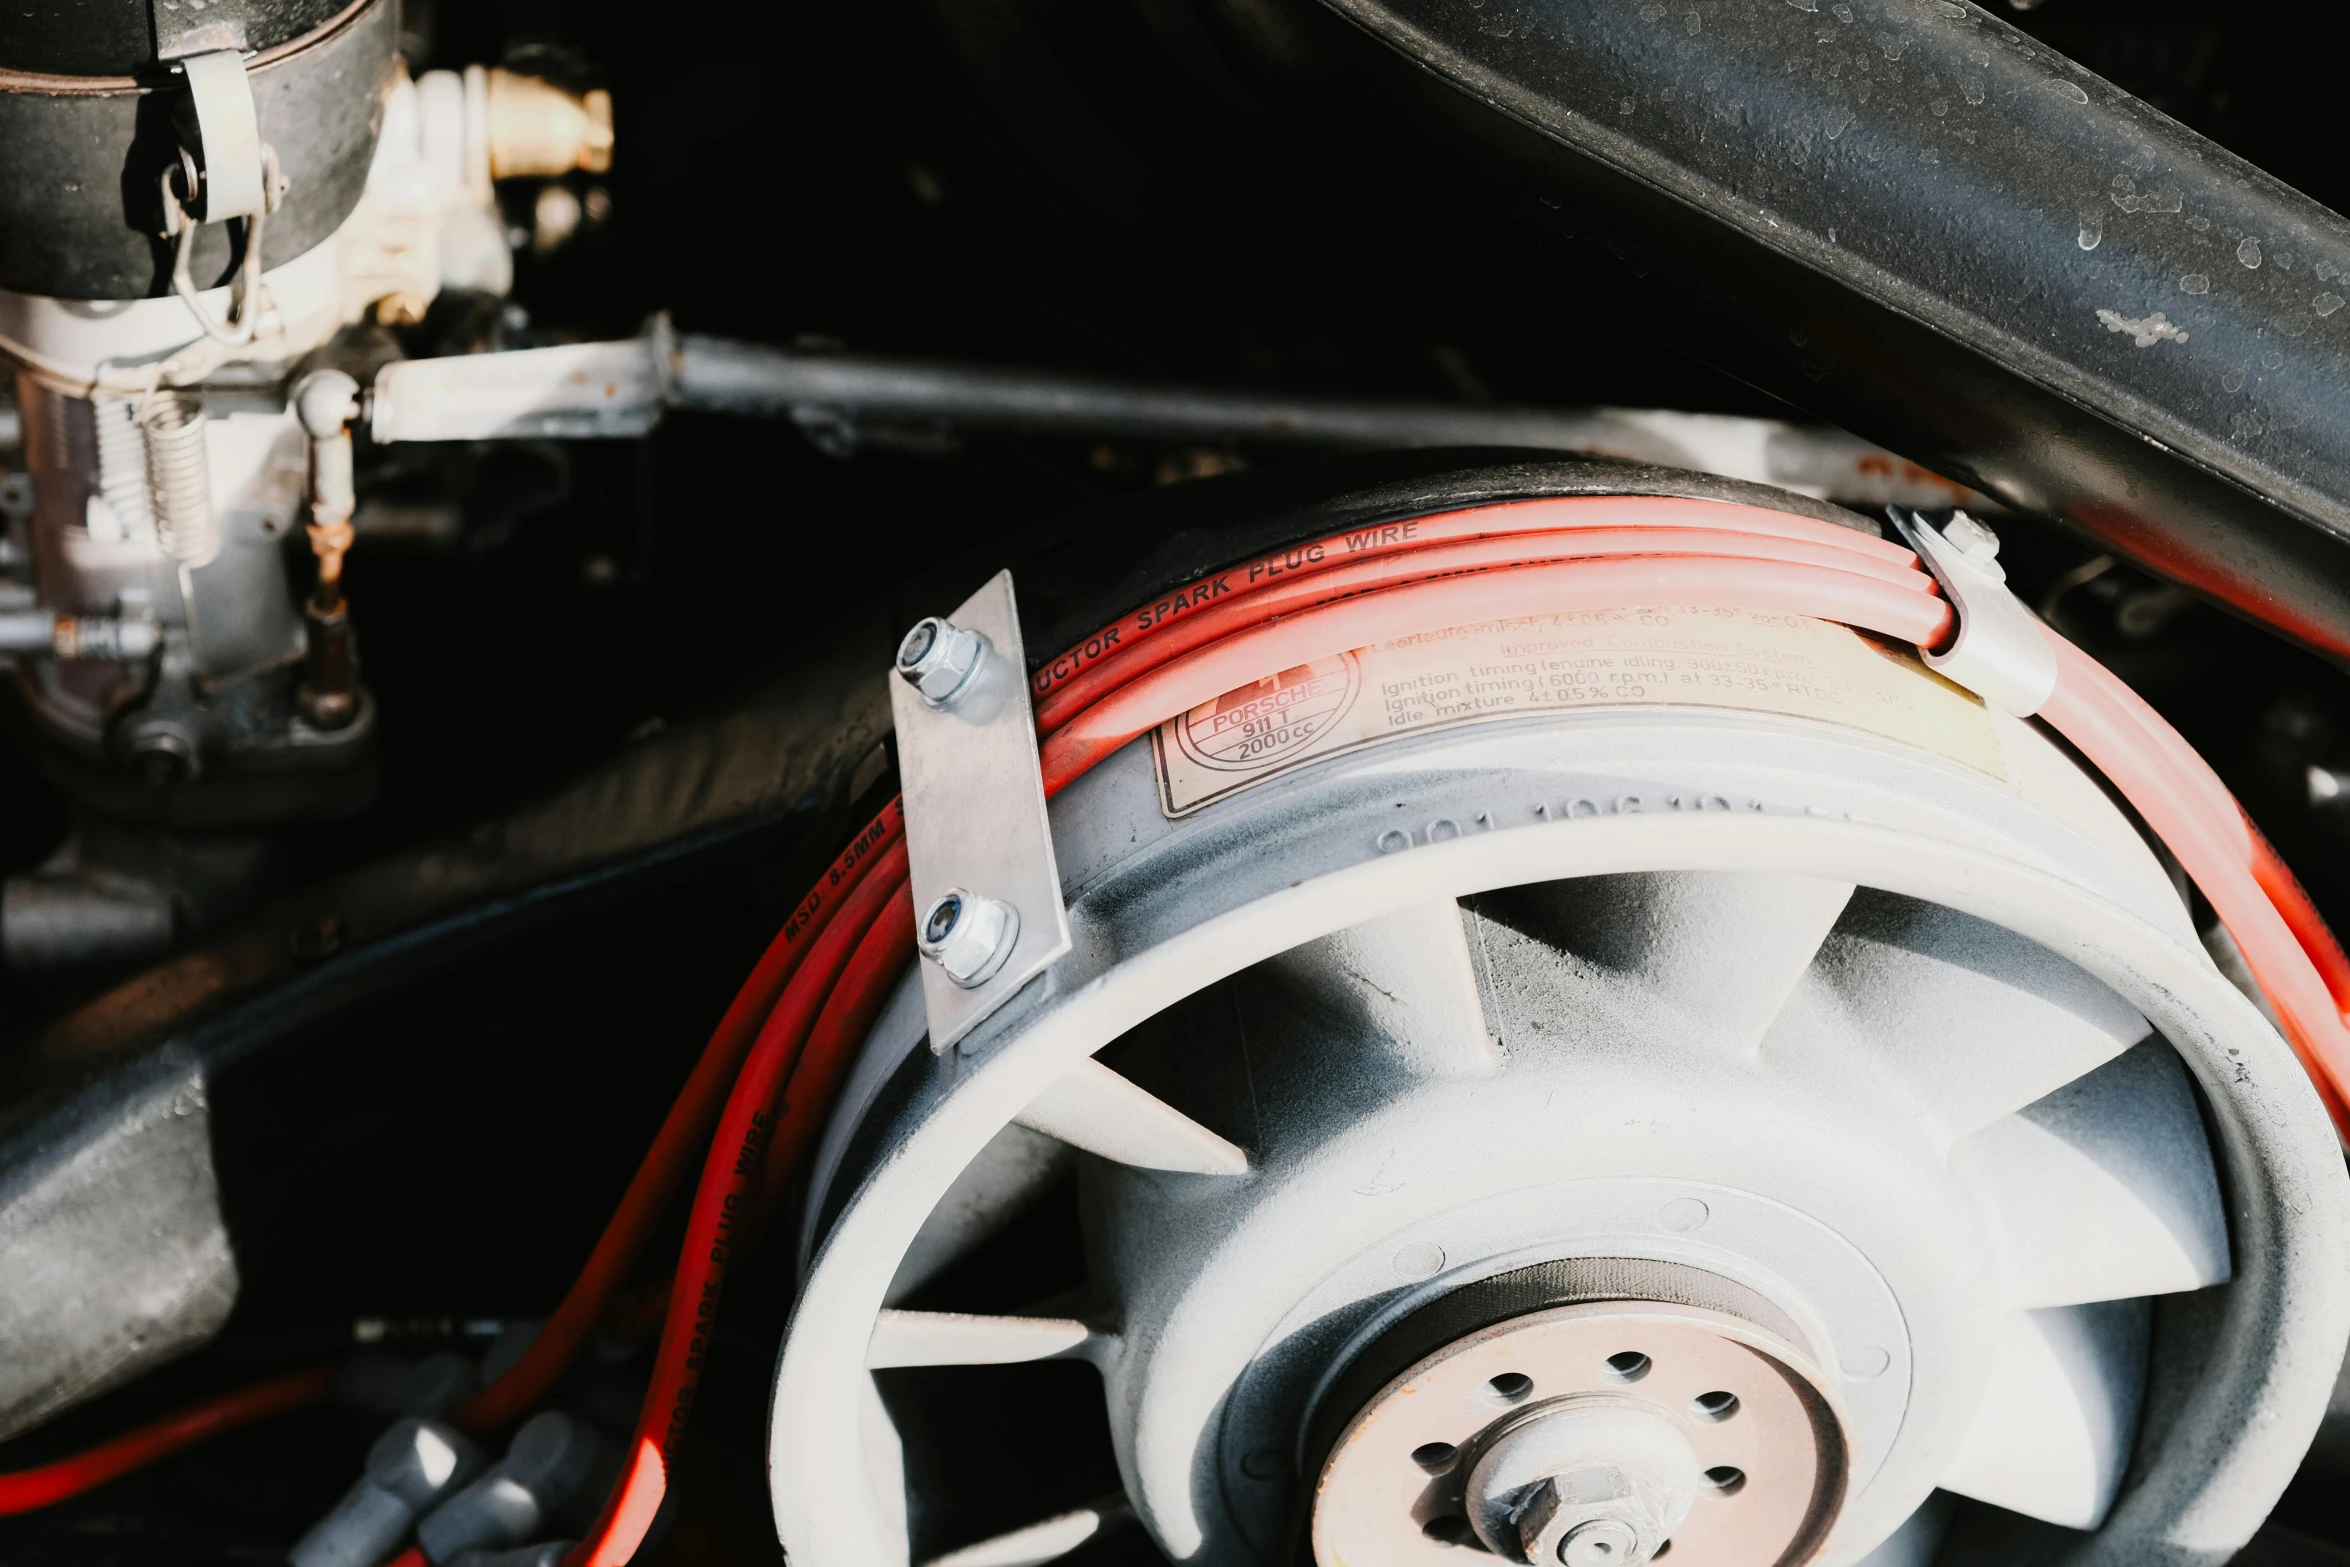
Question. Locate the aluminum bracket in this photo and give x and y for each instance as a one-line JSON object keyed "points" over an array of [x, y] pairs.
{"points": [[975, 813], [2000, 653]]}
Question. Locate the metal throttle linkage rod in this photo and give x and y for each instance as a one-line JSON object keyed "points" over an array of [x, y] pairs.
{"points": [[841, 400]]}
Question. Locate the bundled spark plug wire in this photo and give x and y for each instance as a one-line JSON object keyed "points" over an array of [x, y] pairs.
{"points": [[777, 1057], [685, 1129], [51, 1483]]}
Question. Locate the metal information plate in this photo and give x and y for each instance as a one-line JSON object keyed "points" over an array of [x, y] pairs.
{"points": [[1741, 660], [975, 813]]}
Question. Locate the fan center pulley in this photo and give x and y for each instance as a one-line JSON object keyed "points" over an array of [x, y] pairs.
{"points": [[1595, 1435]]}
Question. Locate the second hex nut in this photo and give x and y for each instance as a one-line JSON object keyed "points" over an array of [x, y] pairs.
{"points": [[968, 936]]}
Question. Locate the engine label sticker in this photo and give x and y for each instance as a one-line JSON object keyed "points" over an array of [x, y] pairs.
{"points": [[1243, 733], [1739, 660]]}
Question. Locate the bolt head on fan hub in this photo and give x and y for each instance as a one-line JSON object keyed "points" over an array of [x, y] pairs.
{"points": [[1591, 1436], [1598, 1542], [1615, 1478]]}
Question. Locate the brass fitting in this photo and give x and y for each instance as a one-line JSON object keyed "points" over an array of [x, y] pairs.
{"points": [[536, 128]]}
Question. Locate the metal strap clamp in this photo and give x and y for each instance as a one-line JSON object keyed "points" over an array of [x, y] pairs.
{"points": [[230, 174], [2001, 653]]}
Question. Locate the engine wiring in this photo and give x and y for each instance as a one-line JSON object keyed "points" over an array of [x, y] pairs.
{"points": [[776, 1059], [823, 1013], [51, 1483], [682, 1132]]}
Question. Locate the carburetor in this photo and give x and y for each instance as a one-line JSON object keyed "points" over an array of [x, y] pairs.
{"points": [[206, 201]]}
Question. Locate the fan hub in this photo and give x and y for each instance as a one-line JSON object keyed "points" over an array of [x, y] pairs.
{"points": [[1590, 1435]]}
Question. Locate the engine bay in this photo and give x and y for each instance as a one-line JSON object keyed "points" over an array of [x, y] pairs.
{"points": [[985, 782]]}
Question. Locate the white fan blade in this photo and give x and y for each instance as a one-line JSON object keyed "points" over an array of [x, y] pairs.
{"points": [[1406, 979], [885, 1465], [1724, 948], [2052, 1434], [1014, 1169], [1918, 980], [1915, 1543], [2105, 1188], [1093, 1108], [1039, 1543], [955, 1338]]}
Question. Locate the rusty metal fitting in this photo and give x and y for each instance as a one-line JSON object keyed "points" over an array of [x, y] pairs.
{"points": [[328, 697], [76, 636], [326, 401], [330, 542]]}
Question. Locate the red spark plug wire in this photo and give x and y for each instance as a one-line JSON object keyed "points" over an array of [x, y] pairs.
{"points": [[623, 1238], [682, 1131], [831, 1049], [882, 915], [2309, 927], [48, 1484], [616, 1250], [2190, 810], [1758, 581], [1412, 535]]}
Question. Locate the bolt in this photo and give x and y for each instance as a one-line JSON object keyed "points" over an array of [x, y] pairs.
{"points": [[1590, 1517], [1970, 537], [162, 756], [938, 659], [968, 936], [1603, 1542], [1596, 1481], [1975, 541]]}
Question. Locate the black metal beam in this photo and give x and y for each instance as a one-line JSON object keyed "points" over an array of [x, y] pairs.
{"points": [[1907, 217]]}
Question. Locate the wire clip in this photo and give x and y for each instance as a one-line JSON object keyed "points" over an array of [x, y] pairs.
{"points": [[2000, 653]]}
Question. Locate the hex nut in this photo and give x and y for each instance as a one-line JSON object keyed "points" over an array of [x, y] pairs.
{"points": [[968, 936], [1596, 1516], [1971, 538], [938, 659], [1611, 1473]]}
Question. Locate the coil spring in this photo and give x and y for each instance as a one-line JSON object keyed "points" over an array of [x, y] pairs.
{"points": [[122, 465], [180, 478]]}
